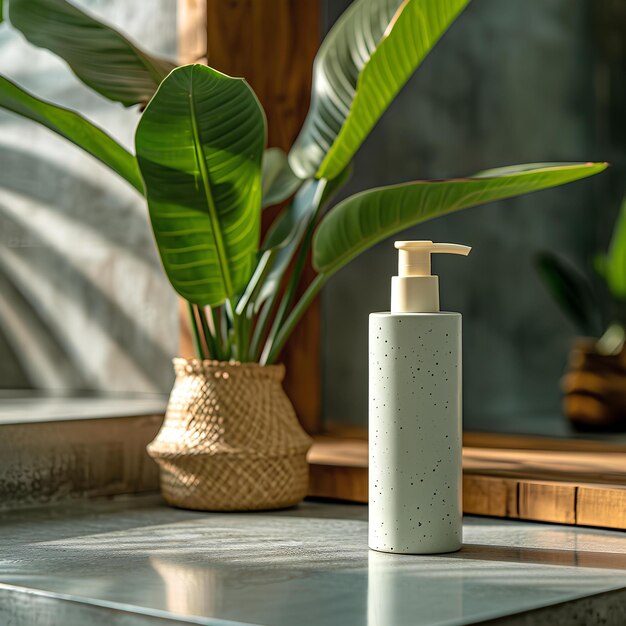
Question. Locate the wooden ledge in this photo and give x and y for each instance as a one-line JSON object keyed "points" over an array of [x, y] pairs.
{"points": [[584, 487]]}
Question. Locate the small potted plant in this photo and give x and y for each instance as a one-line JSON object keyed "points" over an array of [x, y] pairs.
{"points": [[594, 385], [231, 439]]}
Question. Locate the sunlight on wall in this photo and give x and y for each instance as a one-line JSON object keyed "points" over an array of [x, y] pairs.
{"points": [[85, 301]]}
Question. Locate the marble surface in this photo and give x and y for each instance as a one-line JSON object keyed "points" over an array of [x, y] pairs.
{"points": [[306, 566]]}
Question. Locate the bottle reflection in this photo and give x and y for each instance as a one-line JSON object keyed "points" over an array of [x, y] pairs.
{"points": [[403, 590]]}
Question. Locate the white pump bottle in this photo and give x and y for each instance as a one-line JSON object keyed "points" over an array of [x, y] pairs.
{"points": [[415, 412]]}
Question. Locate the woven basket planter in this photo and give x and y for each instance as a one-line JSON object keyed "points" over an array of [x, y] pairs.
{"points": [[594, 388], [230, 440]]}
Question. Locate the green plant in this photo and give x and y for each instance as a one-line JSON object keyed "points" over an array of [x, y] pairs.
{"points": [[201, 164], [595, 313]]}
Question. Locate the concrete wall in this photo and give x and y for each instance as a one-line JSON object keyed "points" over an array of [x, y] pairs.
{"points": [[84, 303], [512, 82]]}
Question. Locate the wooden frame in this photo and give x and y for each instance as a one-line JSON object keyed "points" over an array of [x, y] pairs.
{"points": [[530, 478], [272, 43]]}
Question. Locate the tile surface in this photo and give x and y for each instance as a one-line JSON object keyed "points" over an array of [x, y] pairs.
{"points": [[306, 566]]}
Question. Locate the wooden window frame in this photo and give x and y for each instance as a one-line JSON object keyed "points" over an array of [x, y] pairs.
{"points": [[272, 43], [566, 481]]}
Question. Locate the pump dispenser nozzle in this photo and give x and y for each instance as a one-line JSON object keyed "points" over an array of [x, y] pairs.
{"points": [[414, 289]]}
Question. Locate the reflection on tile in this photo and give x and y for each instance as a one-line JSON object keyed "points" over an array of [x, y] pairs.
{"points": [[301, 566]]}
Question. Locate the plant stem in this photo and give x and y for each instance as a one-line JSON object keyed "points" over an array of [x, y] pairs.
{"points": [[292, 286], [237, 330], [212, 344], [225, 334], [245, 337], [195, 333], [263, 267], [294, 317], [261, 326], [214, 326]]}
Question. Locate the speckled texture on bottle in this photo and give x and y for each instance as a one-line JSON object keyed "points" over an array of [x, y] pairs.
{"points": [[415, 432]]}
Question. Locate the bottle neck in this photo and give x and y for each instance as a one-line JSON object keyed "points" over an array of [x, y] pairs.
{"points": [[414, 294]]}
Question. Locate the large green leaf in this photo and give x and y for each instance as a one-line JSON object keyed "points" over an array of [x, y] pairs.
{"points": [[199, 146], [74, 128], [572, 291], [280, 244], [286, 235], [363, 62], [287, 225], [366, 218], [279, 182], [99, 55], [615, 264]]}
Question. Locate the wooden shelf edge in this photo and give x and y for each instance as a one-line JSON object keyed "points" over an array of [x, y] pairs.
{"points": [[583, 488]]}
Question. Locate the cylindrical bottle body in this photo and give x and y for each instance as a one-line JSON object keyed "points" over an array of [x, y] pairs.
{"points": [[415, 432]]}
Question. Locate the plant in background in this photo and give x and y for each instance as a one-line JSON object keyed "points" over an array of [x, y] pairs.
{"points": [[594, 383], [596, 313], [201, 162]]}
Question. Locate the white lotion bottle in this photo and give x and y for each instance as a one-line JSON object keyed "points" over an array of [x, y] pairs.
{"points": [[415, 473]]}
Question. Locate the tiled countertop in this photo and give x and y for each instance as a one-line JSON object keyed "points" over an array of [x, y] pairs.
{"points": [[135, 561]]}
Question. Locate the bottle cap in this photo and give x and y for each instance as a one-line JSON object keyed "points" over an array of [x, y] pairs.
{"points": [[414, 289]]}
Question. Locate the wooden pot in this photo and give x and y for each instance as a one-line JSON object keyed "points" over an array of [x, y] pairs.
{"points": [[230, 440], [594, 388]]}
